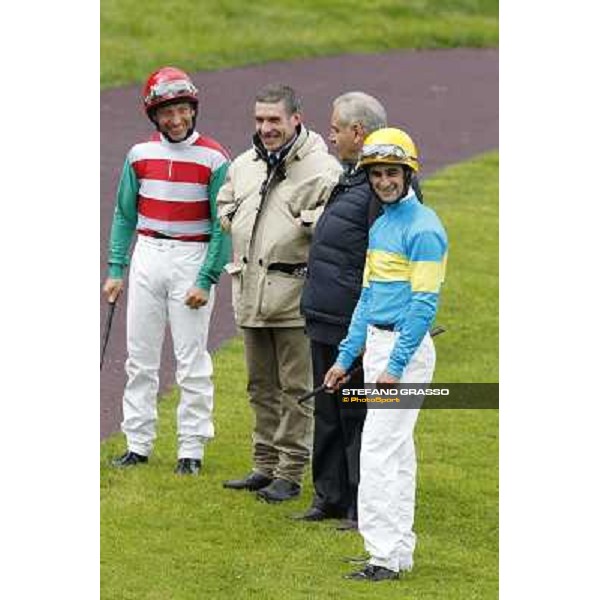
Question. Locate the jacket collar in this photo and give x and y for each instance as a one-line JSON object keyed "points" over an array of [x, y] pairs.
{"points": [[285, 154], [353, 176], [409, 200]]}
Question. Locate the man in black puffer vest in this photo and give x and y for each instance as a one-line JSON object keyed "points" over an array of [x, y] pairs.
{"points": [[331, 290]]}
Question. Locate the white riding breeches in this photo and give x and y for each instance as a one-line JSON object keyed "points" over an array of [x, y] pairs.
{"points": [[162, 272], [388, 466]]}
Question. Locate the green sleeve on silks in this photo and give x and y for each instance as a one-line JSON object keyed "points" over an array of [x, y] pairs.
{"points": [[124, 222], [219, 247]]}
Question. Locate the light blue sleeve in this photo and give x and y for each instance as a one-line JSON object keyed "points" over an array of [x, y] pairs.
{"points": [[421, 313], [430, 246], [352, 346]]}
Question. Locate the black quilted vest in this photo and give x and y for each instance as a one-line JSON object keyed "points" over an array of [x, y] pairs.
{"points": [[337, 258]]}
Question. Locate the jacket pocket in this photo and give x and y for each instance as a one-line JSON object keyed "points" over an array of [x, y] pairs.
{"points": [[281, 296], [237, 281]]}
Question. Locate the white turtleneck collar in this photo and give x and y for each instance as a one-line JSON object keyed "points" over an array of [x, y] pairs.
{"points": [[189, 141]]}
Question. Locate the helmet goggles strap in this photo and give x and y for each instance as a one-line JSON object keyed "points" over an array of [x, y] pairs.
{"points": [[384, 151], [169, 90]]}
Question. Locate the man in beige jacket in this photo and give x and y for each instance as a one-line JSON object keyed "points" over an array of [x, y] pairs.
{"points": [[269, 200]]}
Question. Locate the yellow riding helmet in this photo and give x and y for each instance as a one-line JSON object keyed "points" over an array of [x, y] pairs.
{"points": [[389, 146]]}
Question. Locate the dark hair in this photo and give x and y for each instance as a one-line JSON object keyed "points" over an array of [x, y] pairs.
{"points": [[275, 92]]}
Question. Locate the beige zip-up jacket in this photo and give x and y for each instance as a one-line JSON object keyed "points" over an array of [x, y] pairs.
{"points": [[270, 245]]}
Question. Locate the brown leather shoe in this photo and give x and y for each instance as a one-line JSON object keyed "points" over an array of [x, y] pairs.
{"points": [[252, 482]]}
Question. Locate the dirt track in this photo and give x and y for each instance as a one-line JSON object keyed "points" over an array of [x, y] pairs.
{"points": [[448, 100]]}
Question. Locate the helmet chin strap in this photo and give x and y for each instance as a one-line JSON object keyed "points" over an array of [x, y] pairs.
{"points": [[408, 174], [187, 135]]}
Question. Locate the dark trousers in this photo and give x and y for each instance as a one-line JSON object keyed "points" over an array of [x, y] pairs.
{"points": [[336, 446]]}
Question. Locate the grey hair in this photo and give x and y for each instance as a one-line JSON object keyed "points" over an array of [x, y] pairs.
{"points": [[358, 107], [275, 92]]}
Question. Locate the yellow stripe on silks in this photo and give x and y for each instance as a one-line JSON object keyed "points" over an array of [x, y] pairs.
{"points": [[428, 276], [366, 272], [385, 266]]}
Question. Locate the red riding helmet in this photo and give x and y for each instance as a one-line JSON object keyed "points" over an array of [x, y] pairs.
{"points": [[168, 84]]}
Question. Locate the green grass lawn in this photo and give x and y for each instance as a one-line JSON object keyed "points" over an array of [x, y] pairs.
{"points": [[465, 197], [138, 37], [169, 538]]}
